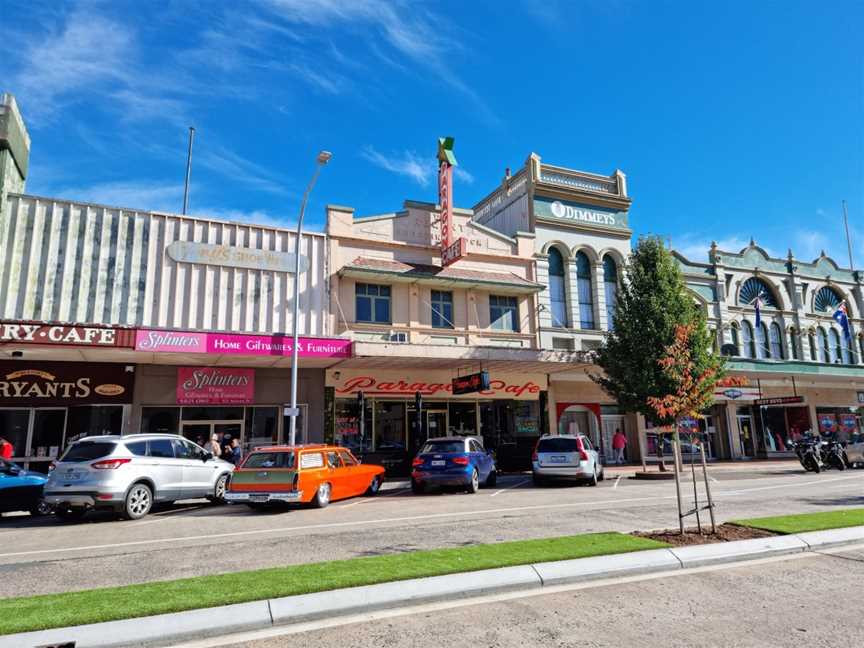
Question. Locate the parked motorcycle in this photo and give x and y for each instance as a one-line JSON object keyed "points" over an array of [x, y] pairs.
{"points": [[832, 455], [809, 452]]}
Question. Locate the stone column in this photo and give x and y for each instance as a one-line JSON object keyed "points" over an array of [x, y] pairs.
{"points": [[544, 300], [599, 297]]}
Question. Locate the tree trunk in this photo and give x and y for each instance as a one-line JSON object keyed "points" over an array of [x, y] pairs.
{"points": [[661, 464]]}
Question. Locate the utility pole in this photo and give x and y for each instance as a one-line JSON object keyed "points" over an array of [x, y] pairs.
{"points": [[188, 170]]}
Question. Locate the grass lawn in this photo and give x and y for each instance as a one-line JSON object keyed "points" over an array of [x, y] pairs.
{"points": [[807, 521], [111, 603]]}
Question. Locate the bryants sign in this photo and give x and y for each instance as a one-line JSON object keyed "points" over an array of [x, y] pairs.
{"points": [[61, 383], [215, 386], [432, 385]]}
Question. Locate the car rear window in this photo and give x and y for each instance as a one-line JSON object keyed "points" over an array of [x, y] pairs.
{"points": [[88, 450], [270, 460], [443, 447], [557, 445]]}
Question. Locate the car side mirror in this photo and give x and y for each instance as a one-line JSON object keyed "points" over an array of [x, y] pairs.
{"points": [[207, 456]]}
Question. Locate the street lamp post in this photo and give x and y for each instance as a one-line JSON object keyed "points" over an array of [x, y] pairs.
{"points": [[323, 158]]}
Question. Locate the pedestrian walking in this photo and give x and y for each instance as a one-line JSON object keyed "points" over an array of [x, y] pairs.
{"points": [[619, 442], [213, 446], [236, 455], [6, 449]]}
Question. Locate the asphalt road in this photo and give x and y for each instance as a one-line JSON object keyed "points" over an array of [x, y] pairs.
{"points": [[807, 601], [44, 555]]}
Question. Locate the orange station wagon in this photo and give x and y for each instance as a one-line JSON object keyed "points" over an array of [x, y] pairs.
{"points": [[315, 474]]}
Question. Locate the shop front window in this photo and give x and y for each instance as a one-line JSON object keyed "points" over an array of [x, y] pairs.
{"points": [[14, 424], [212, 413], [160, 420], [463, 418], [300, 430], [347, 431], [89, 420], [389, 426], [262, 427]]}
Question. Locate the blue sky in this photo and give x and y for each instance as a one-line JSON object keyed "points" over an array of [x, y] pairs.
{"points": [[731, 120]]}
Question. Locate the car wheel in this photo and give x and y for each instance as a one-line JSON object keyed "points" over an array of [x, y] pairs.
{"points": [[219, 490], [492, 479], [538, 481], [256, 506], [322, 497], [474, 484], [375, 486], [70, 514], [417, 487], [42, 508], [602, 474], [139, 501]]}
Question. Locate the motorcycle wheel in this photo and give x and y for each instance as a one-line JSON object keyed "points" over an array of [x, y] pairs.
{"points": [[811, 464], [838, 462]]}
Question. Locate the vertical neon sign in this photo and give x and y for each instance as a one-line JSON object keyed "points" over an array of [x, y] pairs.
{"points": [[451, 250]]}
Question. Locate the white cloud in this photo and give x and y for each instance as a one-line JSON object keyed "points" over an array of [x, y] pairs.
{"points": [[407, 163], [256, 216], [146, 196], [237, 168], [463, 175], [695, 247]]}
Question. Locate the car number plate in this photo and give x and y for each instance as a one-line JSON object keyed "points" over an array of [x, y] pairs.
{"points": [[438, 462], [258, 498], [73, 476], [558, 459]]}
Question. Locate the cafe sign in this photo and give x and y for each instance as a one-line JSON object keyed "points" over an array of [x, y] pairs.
{"points": [[215, 386], [235, 257], [61, 383], [65, 335], [431, 385]]}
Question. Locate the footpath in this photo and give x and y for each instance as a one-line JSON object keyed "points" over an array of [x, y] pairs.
{"points": [[164, 629]]}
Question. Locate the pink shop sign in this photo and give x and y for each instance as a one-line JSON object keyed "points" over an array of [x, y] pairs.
{"points": [[228, 343], [215, 386]]}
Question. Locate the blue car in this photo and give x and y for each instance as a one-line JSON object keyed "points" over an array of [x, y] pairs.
{"points": [[453, 461], [21, 490]]}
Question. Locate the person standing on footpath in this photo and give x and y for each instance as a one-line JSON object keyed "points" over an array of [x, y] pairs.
{"points": [[619, 442], [6, 449], [213, 446], [235, 453]]}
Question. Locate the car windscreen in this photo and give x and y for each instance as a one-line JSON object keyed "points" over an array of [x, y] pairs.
{"points": [[270, 460], [557, 445], [443, 447], [88, 450]]}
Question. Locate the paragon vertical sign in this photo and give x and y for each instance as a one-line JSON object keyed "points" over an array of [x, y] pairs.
{"points": [[451, 250]]}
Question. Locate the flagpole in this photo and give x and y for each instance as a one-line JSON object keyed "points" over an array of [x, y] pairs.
{"points": [[848, 238]]}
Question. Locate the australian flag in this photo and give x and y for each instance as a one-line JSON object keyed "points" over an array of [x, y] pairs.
{"points": [[842, 318], [758, 305]]}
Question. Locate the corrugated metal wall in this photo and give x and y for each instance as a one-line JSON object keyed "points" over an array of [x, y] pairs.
{"points": [[73, 262]]}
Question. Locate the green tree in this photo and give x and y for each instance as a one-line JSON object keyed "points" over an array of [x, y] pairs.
{"points": [[652, 303]]}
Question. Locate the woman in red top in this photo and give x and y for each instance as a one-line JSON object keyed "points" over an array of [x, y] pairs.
{"points": [[5, 449], [619, 442]]}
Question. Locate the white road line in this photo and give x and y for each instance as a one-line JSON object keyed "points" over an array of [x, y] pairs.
{"points": [[616, 481], [409, 518], [516, 485]]}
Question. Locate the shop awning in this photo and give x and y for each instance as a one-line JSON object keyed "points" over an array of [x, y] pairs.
{"points": [[382, 355], [451, 277]]}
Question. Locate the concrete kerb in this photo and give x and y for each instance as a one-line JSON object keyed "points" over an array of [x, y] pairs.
{"points": [[306, 607]]}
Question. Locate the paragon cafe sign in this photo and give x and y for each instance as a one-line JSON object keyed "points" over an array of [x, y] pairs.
{"points": [[431, 384], [451, 251], [59, 383]]}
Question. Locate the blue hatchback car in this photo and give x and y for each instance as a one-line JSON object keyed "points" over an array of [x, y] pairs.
{"points": [[453, 461], [21, 490]]}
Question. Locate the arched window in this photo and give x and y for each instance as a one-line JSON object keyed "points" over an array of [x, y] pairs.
{"points": [[748, 350], [610, 287], [813, 356], [736, 339], [823, 345], [586, 291], [794, 342], [557, 290], [753, 288], [762, 348], [846, 349], [834, 346], [776, 340], [826, 300]]}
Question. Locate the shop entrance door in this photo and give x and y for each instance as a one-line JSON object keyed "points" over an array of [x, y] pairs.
{"points": [[436, 423], [36, 435], [745, 436], [200, 432], [610, 424]]}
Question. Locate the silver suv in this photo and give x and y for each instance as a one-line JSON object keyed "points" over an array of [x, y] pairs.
{"points": [[128, 474], [566, 457]]}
